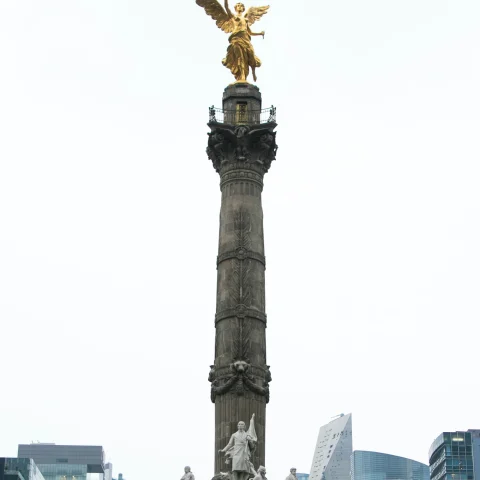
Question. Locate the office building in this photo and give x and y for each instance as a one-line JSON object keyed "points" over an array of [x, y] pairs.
{"points": [[381, 466], [476, 453], [66, 462], [331, 460], [19, 469], [455, 456]]}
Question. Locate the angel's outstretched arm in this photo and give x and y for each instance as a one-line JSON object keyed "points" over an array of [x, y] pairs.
{"points": [[227, 9], [253, 34]]}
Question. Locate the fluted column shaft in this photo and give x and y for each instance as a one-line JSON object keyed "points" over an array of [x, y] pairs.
{"points": [[241, 320], [240, 376]]}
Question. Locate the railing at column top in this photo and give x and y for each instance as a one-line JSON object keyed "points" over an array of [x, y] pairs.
{"points": [[243, 117]]}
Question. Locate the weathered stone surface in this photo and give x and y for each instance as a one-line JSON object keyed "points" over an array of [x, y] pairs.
{"points": [[222, 476], [188, 474], [240, 376]]}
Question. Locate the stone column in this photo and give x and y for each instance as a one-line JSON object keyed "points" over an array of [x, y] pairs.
{"points": [[242, 148]]}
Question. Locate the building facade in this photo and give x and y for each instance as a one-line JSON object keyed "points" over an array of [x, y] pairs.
{"points": [[476, 453], [381, 466], [302, 476], [331, 460], [66, 462], [19, 469], [451, 456]]}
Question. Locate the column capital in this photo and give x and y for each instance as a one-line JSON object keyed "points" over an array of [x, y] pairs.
{"points": [[234, 145]]}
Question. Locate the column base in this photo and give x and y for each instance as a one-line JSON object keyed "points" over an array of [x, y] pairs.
{"points": [[222, 476], [233, 476]]}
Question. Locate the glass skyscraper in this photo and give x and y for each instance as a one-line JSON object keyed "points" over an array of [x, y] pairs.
{"points": [[381, 466], [66, 462], [19, 469], [452, 454]]}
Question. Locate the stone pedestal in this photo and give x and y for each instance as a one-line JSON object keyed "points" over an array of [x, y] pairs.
{"points": [[242, 147]]}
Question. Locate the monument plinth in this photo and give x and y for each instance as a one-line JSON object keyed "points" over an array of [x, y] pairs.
{"points": [[241, 147]]}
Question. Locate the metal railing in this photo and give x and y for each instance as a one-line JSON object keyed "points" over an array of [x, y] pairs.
{"points": [[243, 117]]}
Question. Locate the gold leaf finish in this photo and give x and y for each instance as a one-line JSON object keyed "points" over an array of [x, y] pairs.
{"points": [[240, 53]]}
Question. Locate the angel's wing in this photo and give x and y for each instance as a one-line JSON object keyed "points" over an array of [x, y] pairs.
{"points": [[255, 13], [218, 13]]}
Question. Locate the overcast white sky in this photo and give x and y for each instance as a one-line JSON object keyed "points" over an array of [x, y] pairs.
{"points": [[109, 223]]}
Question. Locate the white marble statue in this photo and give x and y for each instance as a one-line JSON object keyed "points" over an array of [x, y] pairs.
{"points": [[188, 474], [293, 474], [239, 451], [262, 471]]}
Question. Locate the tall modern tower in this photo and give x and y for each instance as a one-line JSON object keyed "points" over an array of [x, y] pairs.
{"points": [[242, 147], [331, 460]]}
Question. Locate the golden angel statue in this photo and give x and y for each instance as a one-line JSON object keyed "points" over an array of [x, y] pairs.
{"points": [[240, 54]]}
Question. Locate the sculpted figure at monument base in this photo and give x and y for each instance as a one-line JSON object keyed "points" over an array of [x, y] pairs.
{"points": [[261, 474], [293, 474], [239, 451], [188, 474]]}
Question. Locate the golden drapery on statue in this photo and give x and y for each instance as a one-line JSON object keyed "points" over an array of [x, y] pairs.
{"points": [[240, 53]]}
